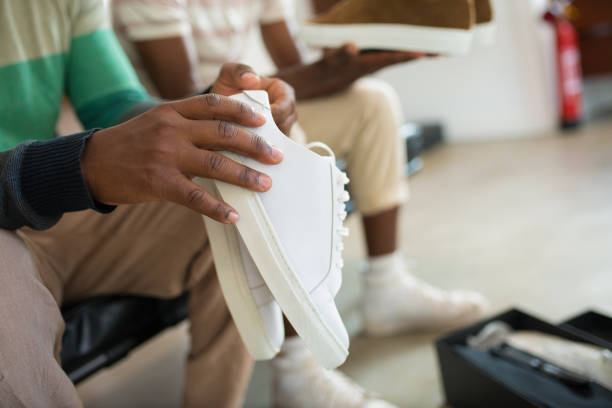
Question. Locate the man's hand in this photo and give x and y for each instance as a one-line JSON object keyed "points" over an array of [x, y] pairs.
{"points": [[234, 78], [339, 68], [349, 61], [154, 156]]}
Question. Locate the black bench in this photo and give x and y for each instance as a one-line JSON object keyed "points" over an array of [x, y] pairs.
{"points": [[103, 330]]}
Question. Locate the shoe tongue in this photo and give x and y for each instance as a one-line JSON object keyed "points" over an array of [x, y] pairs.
{"points": [[259, 97]]}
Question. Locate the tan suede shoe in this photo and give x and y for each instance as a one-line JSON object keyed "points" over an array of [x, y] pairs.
{"points": [[434, 26], [484, 32]]}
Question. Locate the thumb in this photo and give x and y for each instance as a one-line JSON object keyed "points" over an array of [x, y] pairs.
{"points": [[342, 55], [234, 78]]}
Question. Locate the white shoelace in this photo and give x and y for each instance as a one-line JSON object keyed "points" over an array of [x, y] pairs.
{"points": [[342, 196]]}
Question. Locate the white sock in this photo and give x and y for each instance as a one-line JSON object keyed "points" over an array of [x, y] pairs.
{"points": [[300, 381], [293, 353], [294, 349], [385, 267]]}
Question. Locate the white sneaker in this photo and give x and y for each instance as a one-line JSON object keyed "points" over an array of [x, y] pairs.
{"points": [[294, 234], [300, 381], [394, 302], [255, 312]]}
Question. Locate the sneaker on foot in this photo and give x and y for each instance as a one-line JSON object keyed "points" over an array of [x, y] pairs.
{"points": [[394, 301], [294, 234], [432, 26], [256, 314], [300, 381]]}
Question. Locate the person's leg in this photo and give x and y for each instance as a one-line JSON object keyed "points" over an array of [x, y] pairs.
{"points": [[30, 334], [381, 232], [157, 250], [361, 125]]}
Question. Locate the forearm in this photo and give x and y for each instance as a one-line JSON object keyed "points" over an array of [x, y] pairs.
{"points": [[338, 69], [40, 181], [321, 6], [317, 79]]}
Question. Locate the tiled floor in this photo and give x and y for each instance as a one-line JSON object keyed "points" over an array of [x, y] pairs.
{"points": [[528, 223]]}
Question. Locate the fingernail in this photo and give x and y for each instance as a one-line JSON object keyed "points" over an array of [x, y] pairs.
{"points": [[276, 153], [232, 216], [265, 182], [260, 116], [248, 75]]}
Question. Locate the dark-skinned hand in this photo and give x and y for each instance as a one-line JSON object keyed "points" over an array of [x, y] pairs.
{"points": [[235, 78], [154, 156], [354, 63]]}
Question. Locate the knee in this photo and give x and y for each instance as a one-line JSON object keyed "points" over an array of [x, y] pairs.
{"points": [[41, 384], [377, 100]]}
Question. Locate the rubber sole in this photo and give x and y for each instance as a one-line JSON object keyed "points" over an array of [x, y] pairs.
{"points": [[297, 303], [484, 34], [399, 37], [236, 290]]}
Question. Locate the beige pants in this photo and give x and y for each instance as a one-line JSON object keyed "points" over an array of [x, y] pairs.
{"points": [[361, 126], [153, 249], [162, 250]]}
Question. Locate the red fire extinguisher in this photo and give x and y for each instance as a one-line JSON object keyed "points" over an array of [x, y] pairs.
{"points": [[568, 67]]}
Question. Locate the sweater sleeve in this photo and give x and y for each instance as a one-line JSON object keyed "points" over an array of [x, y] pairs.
{"points": [[40, 181]]}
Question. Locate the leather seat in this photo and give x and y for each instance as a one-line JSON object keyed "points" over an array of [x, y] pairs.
{"points": [[103, 330]]}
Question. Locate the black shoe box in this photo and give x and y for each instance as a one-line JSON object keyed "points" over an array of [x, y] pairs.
{"points": [[595, 327], [474, 379]]}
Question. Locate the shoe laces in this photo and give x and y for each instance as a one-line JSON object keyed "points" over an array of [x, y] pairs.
{"points": [[341, 196]]}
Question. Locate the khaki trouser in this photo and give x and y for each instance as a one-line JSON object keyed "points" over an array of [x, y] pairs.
{"points": [[162, 250], [361, 126], [155, 249]]}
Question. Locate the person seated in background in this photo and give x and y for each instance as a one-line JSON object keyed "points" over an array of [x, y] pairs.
{"points": [[177, 46], [49, 256]]}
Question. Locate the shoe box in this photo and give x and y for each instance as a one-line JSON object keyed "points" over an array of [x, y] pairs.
{"points": [[475, 379]]}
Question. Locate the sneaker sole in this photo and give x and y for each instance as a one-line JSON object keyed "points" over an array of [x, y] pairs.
{"points": [[296, 302], [236, 290], [484, 34], [389, 37]]}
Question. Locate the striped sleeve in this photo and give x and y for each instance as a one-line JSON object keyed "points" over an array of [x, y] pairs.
{"points": [[142, 20], [101, 82], [274, 11]]}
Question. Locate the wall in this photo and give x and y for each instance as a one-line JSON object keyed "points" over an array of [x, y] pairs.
{"points": [[504, 91]]}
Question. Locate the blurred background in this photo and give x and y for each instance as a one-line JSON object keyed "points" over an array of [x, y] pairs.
{"points": [[511, 204]]}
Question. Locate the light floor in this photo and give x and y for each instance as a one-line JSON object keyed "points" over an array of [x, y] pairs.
{"points": [[528, 223]]}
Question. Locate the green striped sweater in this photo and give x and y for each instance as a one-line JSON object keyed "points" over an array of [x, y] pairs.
{"points": [[51, 48]]}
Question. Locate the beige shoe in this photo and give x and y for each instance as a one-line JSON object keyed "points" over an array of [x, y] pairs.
{"points": [[433, 26], [484, 32]]}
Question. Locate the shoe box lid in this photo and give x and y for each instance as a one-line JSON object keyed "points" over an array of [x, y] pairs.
{"points": [[591, 325]]}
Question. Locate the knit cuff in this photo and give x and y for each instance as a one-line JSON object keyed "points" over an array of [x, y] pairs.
{"points": [[52, 181]]}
